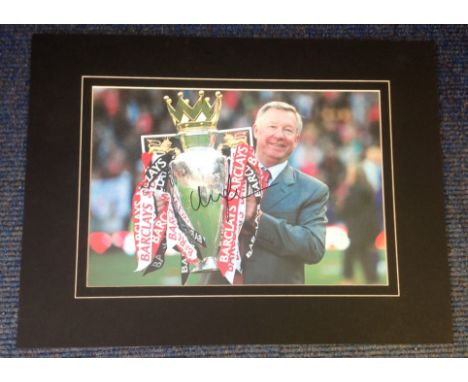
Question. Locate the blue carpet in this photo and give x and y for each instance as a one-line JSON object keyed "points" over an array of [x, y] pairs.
{"points": [[452, 44]]}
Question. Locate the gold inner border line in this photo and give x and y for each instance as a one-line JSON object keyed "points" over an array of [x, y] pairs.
{"points": [[239, 296], [239, 89], [393, 184], [226, 79]]}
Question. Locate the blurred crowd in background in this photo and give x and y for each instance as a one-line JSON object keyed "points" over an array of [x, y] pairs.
{"points": [[340, 145]]}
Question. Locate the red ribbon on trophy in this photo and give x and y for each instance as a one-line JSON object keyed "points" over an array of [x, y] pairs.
{"points": [[257, 182], [155, 231], [243, 182], [149, 225]]}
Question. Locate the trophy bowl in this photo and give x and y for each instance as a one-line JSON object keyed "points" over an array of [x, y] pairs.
{"points": [[199, 174]]}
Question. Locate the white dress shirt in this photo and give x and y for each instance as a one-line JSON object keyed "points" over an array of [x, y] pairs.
{"points": [[275, 170]]}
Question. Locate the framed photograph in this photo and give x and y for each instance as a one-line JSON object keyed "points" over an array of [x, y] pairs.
{"points": [[272, 190]]}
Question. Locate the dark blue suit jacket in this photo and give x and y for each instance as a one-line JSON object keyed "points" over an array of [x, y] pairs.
{"points": [[291, 230]]}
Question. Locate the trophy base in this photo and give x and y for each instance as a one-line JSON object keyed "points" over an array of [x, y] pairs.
{"points": [[208, 264]]}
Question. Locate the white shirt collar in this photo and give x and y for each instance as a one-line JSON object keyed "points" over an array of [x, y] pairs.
{"points": [[276, 169]]}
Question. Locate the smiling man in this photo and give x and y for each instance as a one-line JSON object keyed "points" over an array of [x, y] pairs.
{"points": [[291, 229]]}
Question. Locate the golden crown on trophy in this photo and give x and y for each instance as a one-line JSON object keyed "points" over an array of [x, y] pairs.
{"points": [[201, 115]]}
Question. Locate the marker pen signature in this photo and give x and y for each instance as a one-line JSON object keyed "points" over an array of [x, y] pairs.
{"points": [[228, 194]]}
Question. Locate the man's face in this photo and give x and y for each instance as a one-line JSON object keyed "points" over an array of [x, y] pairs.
{"points": [[276, 134]]}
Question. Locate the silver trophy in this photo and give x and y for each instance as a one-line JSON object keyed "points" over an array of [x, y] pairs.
{"points": [[186, 169], [198, 174]]}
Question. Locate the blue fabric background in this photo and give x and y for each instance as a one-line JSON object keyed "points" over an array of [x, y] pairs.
{"points": [[452, 54]]}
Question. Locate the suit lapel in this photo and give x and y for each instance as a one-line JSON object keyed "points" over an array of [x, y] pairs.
{"points": [[278, 190]]}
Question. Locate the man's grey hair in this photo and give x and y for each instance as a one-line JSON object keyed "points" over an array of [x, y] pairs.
{"points": [[281, 106]]}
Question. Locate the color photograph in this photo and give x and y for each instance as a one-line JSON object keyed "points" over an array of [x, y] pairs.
{"points": [[204, 186]]}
